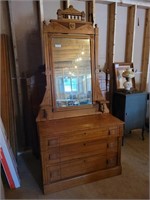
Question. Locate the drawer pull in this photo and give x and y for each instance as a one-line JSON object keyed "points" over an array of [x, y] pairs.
{"points": [[53, 156], [52, 142], [54, 175]]}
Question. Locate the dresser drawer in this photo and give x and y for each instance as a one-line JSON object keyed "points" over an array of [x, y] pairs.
{"points": [[79, 136], [53, 174], [83, 149], [83, 166], [75, 167]]}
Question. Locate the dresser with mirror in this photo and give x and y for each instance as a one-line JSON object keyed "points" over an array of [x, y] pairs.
{"points": [[80, 141]]}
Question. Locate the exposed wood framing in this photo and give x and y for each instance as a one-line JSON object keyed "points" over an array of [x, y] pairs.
{"points": [[6, 97], [130, 33], [146, 52], [111, 34], [90, 11], [41, 19], [21, 134], [65, 4], [139, 3], [111, 43]]}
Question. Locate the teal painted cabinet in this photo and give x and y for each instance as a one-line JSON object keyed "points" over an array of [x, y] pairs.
{"points": [[131, 108]]}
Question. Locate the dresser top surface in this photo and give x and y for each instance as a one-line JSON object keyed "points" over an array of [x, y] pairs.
{"points": [[81, 123]]}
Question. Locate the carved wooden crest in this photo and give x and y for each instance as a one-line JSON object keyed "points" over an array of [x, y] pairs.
{"points": [[70, 13], [72, 25]]}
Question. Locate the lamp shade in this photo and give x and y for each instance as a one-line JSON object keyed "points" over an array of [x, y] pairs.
{"points": [[128, 73]]}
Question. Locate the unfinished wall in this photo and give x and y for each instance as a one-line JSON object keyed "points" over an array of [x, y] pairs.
{"points": [[26, 27], [4, 23], [138, 44], [101, 13], [50, 9], [79, 5], [120, 37], [28, 59], [8, 98]]}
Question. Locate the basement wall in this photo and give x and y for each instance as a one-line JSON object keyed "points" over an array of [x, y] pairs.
{"points": [[138, 44], [4, 25]]}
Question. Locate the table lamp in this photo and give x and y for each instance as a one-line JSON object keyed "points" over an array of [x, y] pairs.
{"points": [[128, 74]]}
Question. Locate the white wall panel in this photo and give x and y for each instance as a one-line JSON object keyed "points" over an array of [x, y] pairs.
{"points": [[78, 5], [101, 12], [26, 26], [50, 8], [120, 38], [138, 44]]}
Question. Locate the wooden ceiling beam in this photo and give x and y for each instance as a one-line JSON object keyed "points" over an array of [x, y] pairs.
{"points": [[139, 3]]}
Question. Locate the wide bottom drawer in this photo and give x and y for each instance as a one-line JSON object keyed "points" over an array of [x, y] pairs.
{"points": [[83, 179], [78, 167], [81, 166]]}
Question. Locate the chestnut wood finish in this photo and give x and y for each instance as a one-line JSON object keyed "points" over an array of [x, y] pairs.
{"points": [[79, 150], [78, 144]]}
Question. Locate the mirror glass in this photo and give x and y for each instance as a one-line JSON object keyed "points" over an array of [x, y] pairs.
{"points": [[72, 71]]}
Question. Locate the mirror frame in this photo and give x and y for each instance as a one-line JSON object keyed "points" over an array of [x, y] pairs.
{"points": [[70, 36], [70, 22], [73, 28]]}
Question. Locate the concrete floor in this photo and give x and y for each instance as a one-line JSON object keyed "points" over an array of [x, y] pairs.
{"points": [[133, 183]]}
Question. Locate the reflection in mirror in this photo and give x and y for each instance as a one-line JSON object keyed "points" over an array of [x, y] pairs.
{"points": [[72, 71]]}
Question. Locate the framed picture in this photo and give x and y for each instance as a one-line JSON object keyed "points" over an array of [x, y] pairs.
{"points": [[119, 68]]}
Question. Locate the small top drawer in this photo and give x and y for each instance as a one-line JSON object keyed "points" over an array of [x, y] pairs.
{"points": [[77, 136], [83, 135]]}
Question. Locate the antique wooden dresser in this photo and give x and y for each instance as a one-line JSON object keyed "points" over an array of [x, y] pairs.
{"points": [[80, 141]]}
